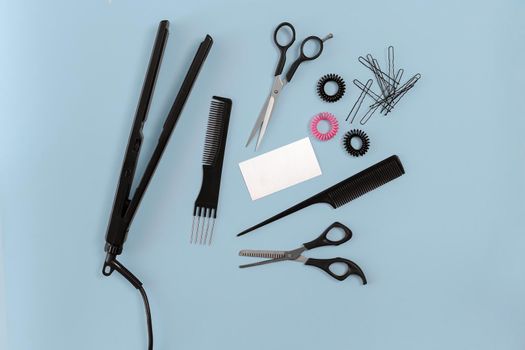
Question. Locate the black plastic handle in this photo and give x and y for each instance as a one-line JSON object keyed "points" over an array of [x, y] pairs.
{"points": [[282, 48], [303, 57], [351, 267], [323, 239]]}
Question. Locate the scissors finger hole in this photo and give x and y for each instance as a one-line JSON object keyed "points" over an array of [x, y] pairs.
{"points": [[311, 47], [336, 234], [284, 35], [339, 268]]}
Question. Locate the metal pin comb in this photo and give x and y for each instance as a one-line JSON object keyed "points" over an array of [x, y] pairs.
{"points": [[346, 190], [205, 209]]}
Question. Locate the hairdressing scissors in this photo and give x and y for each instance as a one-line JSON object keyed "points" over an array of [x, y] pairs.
{"points": [[323, 264], [278, 82]]}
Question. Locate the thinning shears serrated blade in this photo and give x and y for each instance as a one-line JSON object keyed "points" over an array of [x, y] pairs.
{"points": [[269, 254]]}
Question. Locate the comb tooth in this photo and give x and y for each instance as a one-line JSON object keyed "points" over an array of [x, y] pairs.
{"points": [[203, 233], [261, 254], [211, 218], [197, 229], [214, 217], [203, 223], [212, 227], [192, 228]]}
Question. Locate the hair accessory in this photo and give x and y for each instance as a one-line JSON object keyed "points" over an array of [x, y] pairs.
{"points": [[356, 134], [330, 118], [206, 203], [324, 264], [389, 82], [359, 101], [325, 79], [346, 190]]}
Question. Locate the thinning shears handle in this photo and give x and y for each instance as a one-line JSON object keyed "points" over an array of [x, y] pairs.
{"points": [[303, 57], [351, 267], [283, 48], [323, 240]]}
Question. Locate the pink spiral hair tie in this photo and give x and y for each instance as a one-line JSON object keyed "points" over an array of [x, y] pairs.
{"points": [[330, 118]]}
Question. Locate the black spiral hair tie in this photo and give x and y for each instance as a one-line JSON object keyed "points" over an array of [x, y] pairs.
{"points": [[325, 79], [365, 142]]}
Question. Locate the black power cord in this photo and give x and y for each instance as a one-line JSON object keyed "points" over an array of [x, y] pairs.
{"points": [[112, 264], [148, 318]]}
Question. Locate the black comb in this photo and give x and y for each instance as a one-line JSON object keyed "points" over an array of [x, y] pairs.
{"points": [[205, 208], [347, 190]]}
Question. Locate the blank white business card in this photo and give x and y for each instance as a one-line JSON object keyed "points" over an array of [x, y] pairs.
{"points": [[281, 168]]}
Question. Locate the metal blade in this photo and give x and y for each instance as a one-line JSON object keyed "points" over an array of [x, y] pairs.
{"points": [[277, 86], [264, 262], [264, 125], [259, 121], [268, 254]]}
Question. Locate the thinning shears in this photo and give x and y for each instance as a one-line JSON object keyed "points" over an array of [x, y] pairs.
{"points": [[278, 82], [324, 264]]}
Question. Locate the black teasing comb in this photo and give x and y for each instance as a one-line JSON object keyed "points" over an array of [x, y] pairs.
{"points": [[205, 209], [347, 190]]}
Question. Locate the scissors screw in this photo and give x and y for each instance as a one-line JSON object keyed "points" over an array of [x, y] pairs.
{"points": [[276, 91]]}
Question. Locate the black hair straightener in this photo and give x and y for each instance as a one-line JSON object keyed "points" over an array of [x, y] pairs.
{"points": [[125, 206]]}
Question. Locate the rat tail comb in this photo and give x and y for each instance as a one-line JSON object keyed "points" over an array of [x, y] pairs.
{"points": [[205, 209], [347, 190]]}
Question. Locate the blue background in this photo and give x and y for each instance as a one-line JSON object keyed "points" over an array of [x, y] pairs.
{"points": [[442, 246]]}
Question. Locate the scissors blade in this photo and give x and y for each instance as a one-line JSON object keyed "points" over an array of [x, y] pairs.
{"points": [[259, 121], [267, 116], [277, 86], [266, 112], [264, 262]]}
